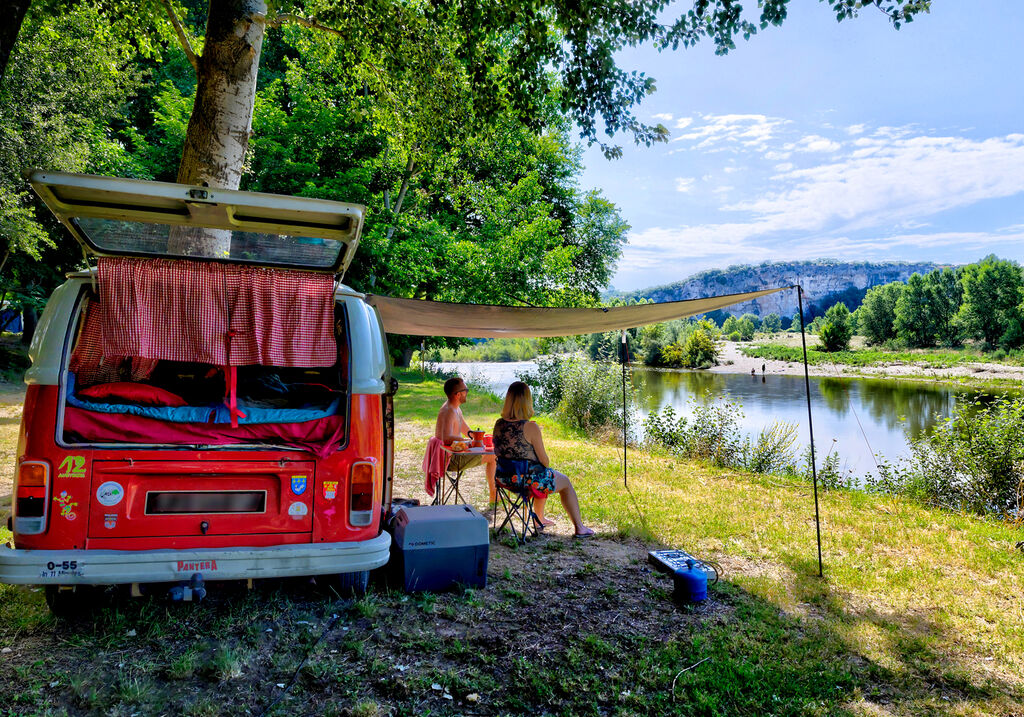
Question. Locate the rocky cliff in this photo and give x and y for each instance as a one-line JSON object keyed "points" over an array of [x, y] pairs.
{"points": [[824, 282]]}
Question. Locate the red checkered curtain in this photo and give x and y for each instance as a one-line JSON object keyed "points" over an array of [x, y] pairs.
{"points": [[87, 361], [223, 314]]}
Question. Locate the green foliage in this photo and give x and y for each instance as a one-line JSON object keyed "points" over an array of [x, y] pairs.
{"points": [[835, 331], [698, 350], [946, 295], [742, 327], [914, 323], [974, 462], [712, 433], [877, 314], [584, 394], [754, 319], [65, 85], [494, 350], [992, 293], [771, 324]]}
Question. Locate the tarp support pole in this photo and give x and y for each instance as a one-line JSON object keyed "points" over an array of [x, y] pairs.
{"points": [[625, 428], [810, 425]]}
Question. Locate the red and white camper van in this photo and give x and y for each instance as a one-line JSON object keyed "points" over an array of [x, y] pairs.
{"points": [[207, 399]]}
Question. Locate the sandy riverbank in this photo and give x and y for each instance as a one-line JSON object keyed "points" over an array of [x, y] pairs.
{"points": [[732, 361]]}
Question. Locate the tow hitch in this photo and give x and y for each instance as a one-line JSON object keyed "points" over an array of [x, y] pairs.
{"points": [[194, 589]]}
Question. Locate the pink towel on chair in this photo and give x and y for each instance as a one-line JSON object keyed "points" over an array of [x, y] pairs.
{"points": [[435, 463]]}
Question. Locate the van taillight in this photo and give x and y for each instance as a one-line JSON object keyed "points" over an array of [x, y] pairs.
{"points": [[30, 497], [360, 505]]}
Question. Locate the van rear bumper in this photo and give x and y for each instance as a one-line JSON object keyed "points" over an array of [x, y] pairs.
{"points": [[113, 567]]}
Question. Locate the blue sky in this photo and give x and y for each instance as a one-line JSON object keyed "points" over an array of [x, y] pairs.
{"points": [[820, 139]]}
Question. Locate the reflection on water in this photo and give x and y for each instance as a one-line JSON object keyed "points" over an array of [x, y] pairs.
{"points": [[864, 416]]}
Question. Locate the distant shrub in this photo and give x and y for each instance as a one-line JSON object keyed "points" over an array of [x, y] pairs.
{"points": [[698, 350], [712, 433], [835, 332], [771, 324], [494, 350], [974, 462], [584, 394], [772, 452]]}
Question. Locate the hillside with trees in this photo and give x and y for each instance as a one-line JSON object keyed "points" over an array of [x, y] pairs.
{"points": [[825, 282]]}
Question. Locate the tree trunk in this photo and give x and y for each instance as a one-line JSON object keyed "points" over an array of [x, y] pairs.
{"points": [[221, 122], [12, 19]]}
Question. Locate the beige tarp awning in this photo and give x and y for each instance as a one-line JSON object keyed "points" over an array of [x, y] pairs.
{"points": [[434, 318]]}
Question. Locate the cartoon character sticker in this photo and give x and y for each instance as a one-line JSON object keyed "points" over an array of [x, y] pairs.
{"points": [[330, 489], [72, 467], [66, 505], [298, 485]]}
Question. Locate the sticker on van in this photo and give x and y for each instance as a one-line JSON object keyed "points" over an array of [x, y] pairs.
{"points": [[72, 467], [110, 493], [66, 505], [298, 485], [297, 510], [330, 489]]}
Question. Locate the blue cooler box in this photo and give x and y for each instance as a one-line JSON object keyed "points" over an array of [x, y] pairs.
{"points": [[437, 547]]}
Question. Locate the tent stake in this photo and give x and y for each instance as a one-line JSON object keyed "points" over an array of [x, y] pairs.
{"points": [[810, 425], [625, 480]]}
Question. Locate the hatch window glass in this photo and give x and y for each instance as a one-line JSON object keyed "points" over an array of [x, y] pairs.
{"points": [[149, 238]]}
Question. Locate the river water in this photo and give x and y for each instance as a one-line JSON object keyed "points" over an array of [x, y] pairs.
{"points": [[857, 418]]}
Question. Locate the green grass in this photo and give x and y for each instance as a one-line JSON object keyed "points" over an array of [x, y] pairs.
{"points": [[919, 594], [920, 613], [929, 358]]}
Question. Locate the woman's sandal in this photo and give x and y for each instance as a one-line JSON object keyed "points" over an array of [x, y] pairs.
{"points": [[588, 533]]}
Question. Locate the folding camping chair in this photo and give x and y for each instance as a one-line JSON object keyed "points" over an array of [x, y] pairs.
{"points": [[515, 500]]}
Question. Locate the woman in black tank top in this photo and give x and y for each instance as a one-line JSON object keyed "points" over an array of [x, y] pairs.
{"points": [[518, 438]]}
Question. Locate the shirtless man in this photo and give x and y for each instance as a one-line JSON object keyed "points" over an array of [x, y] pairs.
{"points": [[451, 426]]}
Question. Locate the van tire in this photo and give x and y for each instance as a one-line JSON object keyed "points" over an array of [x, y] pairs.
{"points": [[349, 585], [69, 603]]}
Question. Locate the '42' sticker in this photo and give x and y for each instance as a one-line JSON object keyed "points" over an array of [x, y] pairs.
{"points": [[72, 467]]}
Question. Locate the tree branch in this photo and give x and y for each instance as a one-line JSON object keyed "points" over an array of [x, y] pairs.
{"points": [[287, 17], [401, 192], [182, 37]]}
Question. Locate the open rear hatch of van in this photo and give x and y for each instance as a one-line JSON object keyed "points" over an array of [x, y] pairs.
{"points": [[150, 499], [112, 216]]}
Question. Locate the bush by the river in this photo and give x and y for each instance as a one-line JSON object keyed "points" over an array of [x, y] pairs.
{"points": [[584, 394], [494, 350], [974, 462], [712, 433]]}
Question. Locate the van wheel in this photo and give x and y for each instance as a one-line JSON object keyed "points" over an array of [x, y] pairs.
{"points": [[351, 584], [69, 603]]}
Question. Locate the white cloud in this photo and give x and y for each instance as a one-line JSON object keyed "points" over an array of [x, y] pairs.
{"points": [[663, 117], [719, 132], [684, 184], [855, 129], [813, 143], [892, 181], [774, 156], [730, 170], [684, 122]]}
